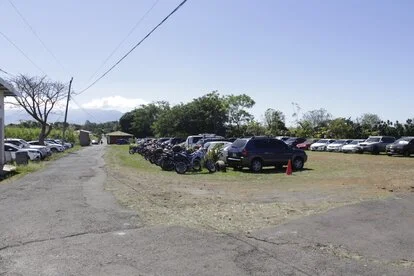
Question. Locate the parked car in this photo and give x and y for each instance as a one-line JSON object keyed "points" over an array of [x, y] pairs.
{"points": [[294, 141], [203, 141], [210, 145], [192, 140], [404, 146], [66, 144], [173, 141], [375, 144], [52, 146], [257, 152], [122, 141], [33, 154], [23, 144], [321, 144], [352, 147], [283, 138], [338, 144], [305, 145]]}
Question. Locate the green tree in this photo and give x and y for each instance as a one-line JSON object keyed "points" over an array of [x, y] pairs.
{"points": [[237, 113], [341, 128], [275, 122], [126, 121], [254, 128], [317, 118]]}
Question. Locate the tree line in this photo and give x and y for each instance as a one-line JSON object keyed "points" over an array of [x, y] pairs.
{"points": [[229, 115]]}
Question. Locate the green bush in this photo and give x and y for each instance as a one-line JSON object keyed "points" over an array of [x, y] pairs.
{"points": [[30, 134]]}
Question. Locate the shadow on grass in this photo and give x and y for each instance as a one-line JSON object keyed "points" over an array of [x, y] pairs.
{"points": [[272, 170], [248, 171]]}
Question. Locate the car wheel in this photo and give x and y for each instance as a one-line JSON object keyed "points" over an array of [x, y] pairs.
{"points": [[54, 150], [256, 165], [406, 153], [297, 163]]}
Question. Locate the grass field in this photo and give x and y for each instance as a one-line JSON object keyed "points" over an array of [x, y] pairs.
{"points": [[242, 201]]}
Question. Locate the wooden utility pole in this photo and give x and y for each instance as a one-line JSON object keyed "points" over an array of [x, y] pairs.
{"points": [[66, 112]]}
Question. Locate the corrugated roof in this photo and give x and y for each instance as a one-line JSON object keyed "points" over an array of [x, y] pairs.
{"points": [[119, 133], [7, 89]]}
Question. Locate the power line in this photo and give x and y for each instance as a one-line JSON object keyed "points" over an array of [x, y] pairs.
{"points": [[23, 53], [122, 42], [7, 73], [35, 34], [133, 48]]}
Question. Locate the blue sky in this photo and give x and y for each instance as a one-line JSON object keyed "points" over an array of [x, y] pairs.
{"points": [[349, 57]]}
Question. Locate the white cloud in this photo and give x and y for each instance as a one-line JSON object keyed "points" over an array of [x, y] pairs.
{"points": [[114, 103]]}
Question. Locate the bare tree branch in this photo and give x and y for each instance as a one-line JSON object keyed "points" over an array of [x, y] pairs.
{"points": [[39, 97]]}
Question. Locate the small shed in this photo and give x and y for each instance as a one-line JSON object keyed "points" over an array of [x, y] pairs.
{"points": [[113, 137], [5, 90], [84, 138]]}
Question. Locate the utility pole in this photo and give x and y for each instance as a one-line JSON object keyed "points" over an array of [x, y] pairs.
{"points": [[66, 112]]}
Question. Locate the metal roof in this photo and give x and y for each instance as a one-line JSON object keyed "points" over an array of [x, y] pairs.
{"points": [[119, 133], [7, 89]]}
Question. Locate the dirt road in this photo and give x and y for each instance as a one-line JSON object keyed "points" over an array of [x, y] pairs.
{"points": [[61, 221]]}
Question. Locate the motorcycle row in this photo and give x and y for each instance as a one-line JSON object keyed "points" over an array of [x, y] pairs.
{"points": [[174, 157]]}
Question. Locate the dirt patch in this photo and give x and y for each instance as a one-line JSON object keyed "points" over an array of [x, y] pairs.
{"points": [[242, 202]]}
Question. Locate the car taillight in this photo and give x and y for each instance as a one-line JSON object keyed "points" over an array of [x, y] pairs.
{"points": [[244, 152]]}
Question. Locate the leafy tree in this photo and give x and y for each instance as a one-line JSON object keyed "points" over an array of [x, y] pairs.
{"points": [[275, 122], [341, 128], [317, 118], [369, 119], [254, 128], [238, 115], [145, 116], [39, 96], [126, 121]]}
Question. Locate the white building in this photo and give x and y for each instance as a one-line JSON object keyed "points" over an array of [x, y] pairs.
{"points": [[5, 90]]}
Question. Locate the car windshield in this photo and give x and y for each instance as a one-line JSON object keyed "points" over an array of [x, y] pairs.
{"points": [[373, 140], [324, 141], [404, 140], [239, 143], [340, 142], [25, 144], [355, 142]]}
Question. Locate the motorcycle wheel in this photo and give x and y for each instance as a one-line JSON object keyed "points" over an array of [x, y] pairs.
{"points": [[181, 167], [197, 165], [167, 165], [210, 166]]}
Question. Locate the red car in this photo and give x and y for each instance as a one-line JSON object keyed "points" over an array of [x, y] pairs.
{"points": [[305, 145]]}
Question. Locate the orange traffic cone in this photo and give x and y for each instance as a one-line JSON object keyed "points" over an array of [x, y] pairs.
{"points": [[289, 168]]}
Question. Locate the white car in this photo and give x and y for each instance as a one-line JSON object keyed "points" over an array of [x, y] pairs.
{"points": [[23, 144], [52, 146], [321, 145], [353, 146], [210, 145], [338, 144], [67, 145], [33, 154]]}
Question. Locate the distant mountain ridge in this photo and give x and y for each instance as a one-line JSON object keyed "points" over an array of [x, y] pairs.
{"points": [[75, 116]]}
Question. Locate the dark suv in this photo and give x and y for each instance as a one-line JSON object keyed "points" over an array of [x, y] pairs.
{"points": [[257, 152], [375, 144], [404, 146]]}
